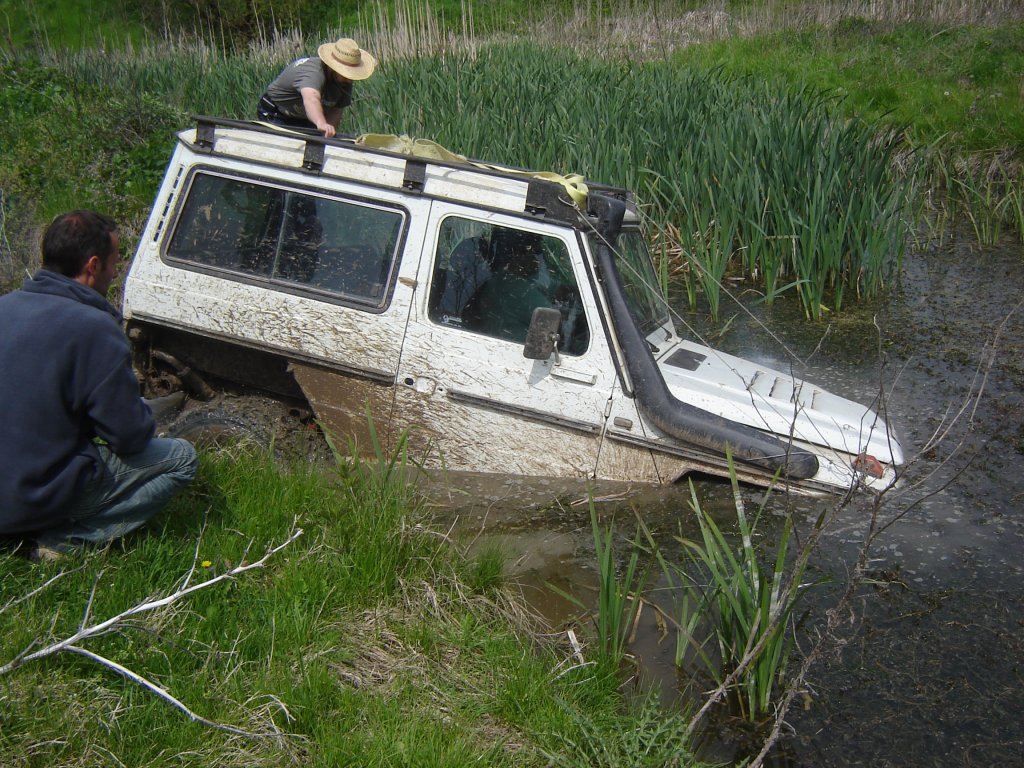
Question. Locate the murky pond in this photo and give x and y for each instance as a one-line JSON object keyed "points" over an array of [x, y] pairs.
{"points": [[928, 669]]}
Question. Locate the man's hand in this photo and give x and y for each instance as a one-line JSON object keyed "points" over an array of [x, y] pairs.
{"points": [[315, 111]]}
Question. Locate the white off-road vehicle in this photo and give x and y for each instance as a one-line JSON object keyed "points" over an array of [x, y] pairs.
{"points": [[510, 320]]}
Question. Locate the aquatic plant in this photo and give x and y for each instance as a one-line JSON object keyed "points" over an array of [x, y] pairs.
{"points": [[744, 608], [1013, 208], [618, 599], [980, 199]]}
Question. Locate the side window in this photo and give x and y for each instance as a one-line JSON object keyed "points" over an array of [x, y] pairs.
{"points": [[343, 247], [230, 224], [488, 279]]}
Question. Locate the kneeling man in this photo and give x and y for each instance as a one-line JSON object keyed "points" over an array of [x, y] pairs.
{"points": [[78, 459]]}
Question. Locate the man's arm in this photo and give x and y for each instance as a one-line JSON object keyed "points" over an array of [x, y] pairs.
{"points": [[113, 403], [315, 111]]}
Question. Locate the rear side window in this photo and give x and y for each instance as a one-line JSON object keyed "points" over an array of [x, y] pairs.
{"points": [[297, 239]]}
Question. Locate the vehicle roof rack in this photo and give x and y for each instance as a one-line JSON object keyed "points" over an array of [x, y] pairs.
{"points": [[450, 177]]}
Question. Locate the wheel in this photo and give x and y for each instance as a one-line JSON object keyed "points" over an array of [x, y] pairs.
{"points": [[250, 422], [219, 429], [166, 408]]}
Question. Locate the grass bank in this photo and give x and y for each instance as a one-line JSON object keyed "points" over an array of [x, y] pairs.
{"points": [[958, 86], [370, 639], [952, 90]]}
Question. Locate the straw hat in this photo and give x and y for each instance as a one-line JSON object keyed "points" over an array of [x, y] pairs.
{"points": [[345, 58]]}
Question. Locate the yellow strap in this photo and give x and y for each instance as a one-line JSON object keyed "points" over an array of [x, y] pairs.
{"points": [[283, 129], [573, 183]]}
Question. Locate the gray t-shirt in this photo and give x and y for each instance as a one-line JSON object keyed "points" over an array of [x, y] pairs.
{"points": [[307, 73]]}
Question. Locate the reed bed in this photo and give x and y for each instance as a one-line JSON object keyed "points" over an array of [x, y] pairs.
{"points": [[735, 613], [757, 179], [652, 28], [987, 193]]}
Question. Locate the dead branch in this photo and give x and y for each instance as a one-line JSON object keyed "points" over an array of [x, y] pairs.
{"points": [[143, 607], [87, 630], [41, 588], [163, 693]]}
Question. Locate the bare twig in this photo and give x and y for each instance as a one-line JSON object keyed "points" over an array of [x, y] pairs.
{"points": [[195, 554], [163, 693], [88, 606], [41, 588], [87, 630], [836, 616], [146, 605]]}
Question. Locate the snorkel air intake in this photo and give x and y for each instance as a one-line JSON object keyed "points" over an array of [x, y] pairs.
{"points": [[668, 413]]}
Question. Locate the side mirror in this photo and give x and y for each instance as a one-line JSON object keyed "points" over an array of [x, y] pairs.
{"points": [[542, 335]]}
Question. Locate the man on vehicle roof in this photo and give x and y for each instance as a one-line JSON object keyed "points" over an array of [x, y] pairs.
{"points": [[312, 92], [79, 460]]}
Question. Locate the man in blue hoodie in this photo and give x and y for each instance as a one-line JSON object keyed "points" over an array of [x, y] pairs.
{"points": [[78, 459]]}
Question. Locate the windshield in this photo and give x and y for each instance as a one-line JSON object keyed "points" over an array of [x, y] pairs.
{"points": [[642, 289]]}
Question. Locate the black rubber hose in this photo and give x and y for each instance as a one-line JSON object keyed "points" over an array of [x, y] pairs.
{"points": [[665, 410]]}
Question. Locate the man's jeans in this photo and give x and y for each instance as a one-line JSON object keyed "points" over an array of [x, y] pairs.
{"points": [[126, 493]]}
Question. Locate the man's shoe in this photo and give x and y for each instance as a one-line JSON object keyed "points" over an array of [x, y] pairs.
{"points": [[44, 554], [165, 407]]}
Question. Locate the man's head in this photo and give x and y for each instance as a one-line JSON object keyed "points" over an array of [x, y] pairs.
{"points": [[84, 246], [347, 60]]}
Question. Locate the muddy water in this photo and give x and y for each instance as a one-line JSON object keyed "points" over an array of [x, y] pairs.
{"points": [[929, 667]]}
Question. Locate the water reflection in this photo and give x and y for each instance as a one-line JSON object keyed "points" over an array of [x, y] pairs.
{"points": [[927, 671]]}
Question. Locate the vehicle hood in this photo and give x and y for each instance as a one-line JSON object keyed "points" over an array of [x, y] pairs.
{"points": [[760, 397]]}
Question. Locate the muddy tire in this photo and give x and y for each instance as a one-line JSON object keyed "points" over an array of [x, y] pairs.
{"points": [[220, 429], [251, 422]]}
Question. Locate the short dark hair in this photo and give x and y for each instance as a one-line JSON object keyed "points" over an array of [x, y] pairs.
{"points": [[73, 237]]}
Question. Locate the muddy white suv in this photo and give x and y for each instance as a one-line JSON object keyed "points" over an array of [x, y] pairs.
{"points": [[511, 321]]}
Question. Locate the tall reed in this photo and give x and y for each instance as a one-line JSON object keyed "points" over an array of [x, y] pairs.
{"points": [[757, 179], [744, 608], [618, 598]]}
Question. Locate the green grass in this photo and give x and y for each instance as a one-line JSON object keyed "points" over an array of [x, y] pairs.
{"points": [[958, 85], [653, 741], [74, 24], [362, 642]]}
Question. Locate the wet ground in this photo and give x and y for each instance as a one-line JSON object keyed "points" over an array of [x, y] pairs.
{"points": [[928, 669]]}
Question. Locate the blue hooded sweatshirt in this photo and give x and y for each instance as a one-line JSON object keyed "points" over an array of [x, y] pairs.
{"points": [[65, 378]]}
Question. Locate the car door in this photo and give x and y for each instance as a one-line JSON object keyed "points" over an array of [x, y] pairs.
{"points": [[463, 379]]}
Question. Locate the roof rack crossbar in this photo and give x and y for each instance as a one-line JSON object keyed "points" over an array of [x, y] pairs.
{"points": [[415, 174], [313, 156], [205, 134]]}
